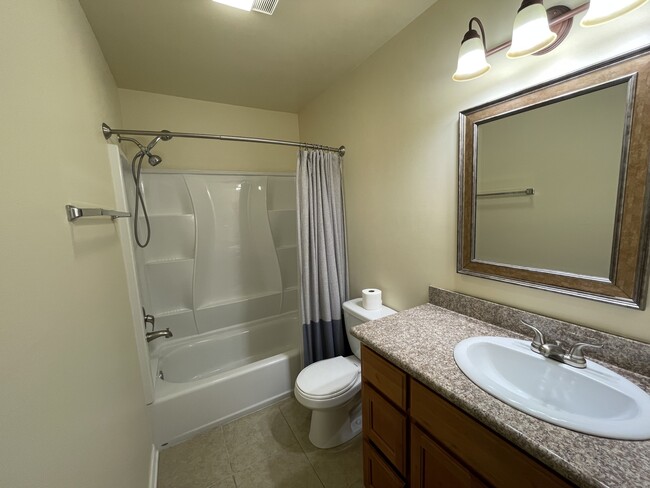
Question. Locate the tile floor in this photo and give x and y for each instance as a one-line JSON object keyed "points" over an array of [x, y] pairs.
{"points": [[267, 449]]}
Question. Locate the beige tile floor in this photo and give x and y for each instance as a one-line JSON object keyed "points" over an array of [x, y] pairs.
{"points": [[267, 449]]}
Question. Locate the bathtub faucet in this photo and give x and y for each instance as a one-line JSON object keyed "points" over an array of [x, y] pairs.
{"points": [[159, 333]]}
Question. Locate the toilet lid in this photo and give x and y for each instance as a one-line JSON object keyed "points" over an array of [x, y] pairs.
{"points": [[328, 378]]}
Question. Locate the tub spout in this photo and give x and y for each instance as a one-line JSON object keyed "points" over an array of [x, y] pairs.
{"points": [[159, 333]]}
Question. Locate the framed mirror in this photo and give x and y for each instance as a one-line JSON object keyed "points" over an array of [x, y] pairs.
{"points": [[554, 184]]}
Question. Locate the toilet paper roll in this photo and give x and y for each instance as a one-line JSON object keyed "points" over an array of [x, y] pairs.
{"points": [[371, 299]]}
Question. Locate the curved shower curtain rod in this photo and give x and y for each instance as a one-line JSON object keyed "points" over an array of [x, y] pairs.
{"points": [[167, 135]]}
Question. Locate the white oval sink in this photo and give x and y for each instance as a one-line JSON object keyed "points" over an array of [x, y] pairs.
{"points": [[594, 400]]}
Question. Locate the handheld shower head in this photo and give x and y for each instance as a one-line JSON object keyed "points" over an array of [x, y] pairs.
{"points": [[157, 139], [154, 160]]}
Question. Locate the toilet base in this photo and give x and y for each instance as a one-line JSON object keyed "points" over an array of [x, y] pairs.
{"points": [[333, 427]]}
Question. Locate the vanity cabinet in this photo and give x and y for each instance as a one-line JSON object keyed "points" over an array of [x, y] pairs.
{"points": [[385, 422], [432, 465], [415, 438]]}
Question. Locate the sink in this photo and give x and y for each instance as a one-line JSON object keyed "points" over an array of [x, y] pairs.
{"points": [[594, 400]]}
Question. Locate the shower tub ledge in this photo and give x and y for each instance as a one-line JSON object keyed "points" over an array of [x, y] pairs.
{"points": [[207, 380]]}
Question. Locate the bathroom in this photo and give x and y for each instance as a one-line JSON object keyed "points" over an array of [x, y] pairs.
{"points": [[73, 410]]}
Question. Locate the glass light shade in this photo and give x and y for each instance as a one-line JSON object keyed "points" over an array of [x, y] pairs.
{"points": [[240, 4], [531, 32], [471, 60], [601, 11]]}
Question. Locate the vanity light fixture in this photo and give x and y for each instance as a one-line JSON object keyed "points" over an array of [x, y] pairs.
{"points": [[601, 11], [471, 57], [536, 31], [531, 32]]}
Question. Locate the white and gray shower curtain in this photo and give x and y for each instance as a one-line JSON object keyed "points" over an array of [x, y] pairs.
{"points": [[322, 254]]}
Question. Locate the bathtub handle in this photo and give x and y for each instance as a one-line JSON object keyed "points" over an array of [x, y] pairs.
{"points": [[149, 319]]}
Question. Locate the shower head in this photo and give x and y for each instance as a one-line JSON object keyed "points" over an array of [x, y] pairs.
{"points": [[154, 160], [153, 142], [157, 139]]}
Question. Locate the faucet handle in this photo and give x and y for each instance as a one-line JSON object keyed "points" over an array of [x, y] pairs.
{"points": [[575, 357], [149, 319], [539, 340]]}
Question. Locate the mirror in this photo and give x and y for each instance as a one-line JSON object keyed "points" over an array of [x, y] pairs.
{"points": [[553, 184]]}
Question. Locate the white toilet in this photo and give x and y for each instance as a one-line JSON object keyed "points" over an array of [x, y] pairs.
{"points": [[332, 387]]}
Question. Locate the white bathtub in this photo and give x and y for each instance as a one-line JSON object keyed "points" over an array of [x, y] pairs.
{"points": [[209, 379]]}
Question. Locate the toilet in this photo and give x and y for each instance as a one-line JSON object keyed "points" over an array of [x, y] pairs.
{"points": [[331, 388]]}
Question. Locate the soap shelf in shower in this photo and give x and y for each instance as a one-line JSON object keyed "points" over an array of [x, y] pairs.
{"points": [[73, 213]]}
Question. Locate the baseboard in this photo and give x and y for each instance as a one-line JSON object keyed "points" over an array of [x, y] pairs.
{"points": [[153, 469]]}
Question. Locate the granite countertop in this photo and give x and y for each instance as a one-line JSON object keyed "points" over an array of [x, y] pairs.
{"points": [[421, 341]]}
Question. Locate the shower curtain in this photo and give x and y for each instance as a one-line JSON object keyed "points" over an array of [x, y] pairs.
{"points": [[322, 254]]}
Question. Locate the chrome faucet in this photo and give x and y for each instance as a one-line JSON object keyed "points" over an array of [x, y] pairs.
{"points": [[150, 336], [553, 350], [159, 333]]}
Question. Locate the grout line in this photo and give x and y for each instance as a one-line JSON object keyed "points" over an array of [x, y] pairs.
{"points": [[301, 447], [225, 444]]}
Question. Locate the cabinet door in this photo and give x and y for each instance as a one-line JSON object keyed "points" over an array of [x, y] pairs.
{"points": [[433, 467], [499, 462], [387, 378], [385, 427], [377, 473]]}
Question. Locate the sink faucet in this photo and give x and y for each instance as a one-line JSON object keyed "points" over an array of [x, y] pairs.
{"points": [[159, 333], [573, 357]]}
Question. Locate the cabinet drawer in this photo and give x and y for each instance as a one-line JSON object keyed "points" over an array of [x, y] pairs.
{"points": [[433, 467], [388, 379], [385, 426], [500, 463], [377, 473]]}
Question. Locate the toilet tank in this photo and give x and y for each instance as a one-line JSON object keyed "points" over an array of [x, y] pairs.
{"points": [[354, 314]]}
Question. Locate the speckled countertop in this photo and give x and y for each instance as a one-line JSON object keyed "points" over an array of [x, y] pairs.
{"points": [[421, 341]]}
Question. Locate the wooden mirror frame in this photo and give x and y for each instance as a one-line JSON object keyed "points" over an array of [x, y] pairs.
{"points": [[627, 283]]}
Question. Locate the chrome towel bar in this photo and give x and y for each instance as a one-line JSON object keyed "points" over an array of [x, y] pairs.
{"points": [[75, 213], [514, 193]]}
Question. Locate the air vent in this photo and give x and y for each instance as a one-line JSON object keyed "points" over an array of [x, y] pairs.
{"points": [[265, 6]]}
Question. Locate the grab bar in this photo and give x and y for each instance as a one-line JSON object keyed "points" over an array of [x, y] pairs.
{"points": [[514, 193], [75, 213]]}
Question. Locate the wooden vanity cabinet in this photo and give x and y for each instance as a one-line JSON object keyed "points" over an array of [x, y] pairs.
{"points": [[385, 422], [415, 438], [433, 466], [484, 454]]}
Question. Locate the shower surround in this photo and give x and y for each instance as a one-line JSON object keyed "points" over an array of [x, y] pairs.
{"points": [[220, 272]]}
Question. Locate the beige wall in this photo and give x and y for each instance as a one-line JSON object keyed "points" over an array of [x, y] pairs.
{"points": [[72, 411], [397, 114], [151, 111]]}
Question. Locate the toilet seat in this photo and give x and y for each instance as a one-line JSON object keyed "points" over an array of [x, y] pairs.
{"points": [[329, 383]]}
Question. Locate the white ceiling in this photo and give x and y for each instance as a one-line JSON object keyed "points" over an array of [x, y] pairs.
{"points": [[208, 51]]}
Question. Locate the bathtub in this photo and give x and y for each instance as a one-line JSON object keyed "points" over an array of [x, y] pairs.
{"points": [[209, 379]]}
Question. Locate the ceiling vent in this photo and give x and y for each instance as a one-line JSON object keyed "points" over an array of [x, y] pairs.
{"points": [[265, 6]]}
